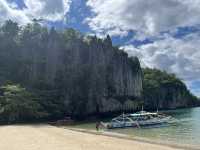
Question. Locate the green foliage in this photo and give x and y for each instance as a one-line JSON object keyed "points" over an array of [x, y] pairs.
{"points": [[50, 63], [163, 90], [71, 34], [17, 104], [69, 74]]}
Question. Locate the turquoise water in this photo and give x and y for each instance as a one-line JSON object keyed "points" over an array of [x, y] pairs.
{"points": [[186, 130]]}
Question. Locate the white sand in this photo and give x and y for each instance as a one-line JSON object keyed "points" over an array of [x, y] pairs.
{"points": [[46, 137]]}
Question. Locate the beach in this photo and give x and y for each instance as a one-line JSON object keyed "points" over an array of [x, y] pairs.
{"points": [[45, 137]]}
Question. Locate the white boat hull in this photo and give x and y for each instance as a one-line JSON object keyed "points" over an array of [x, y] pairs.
{"points": [[138, 124]]}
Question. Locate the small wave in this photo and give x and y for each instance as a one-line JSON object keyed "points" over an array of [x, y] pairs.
{"points": [[185, 120]]}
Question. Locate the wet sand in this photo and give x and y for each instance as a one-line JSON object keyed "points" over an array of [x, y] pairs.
{"points": [[44, 137]]}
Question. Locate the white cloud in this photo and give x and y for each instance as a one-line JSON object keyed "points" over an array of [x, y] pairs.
{"points": [[50, 10], [179, 56], [146, 17], [150, 19], [8, 12]]}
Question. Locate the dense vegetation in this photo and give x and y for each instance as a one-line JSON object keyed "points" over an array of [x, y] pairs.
{"points": [[22, 65], [61, 73], [17, 104], [48, 74], [163, 91]]}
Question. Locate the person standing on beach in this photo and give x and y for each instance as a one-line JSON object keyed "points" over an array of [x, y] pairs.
{"points": [[97, 125]]}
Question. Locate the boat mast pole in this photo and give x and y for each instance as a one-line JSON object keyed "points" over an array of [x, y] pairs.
{"points": [[142, 110], [123, 117]]}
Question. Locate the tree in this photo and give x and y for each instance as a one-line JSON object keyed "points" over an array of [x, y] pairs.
{"points": [[162, 90], [108, 40], [17, 104], [8, 50]]}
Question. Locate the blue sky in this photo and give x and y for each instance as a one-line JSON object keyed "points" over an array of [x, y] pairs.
{"points": [[164, 34]]}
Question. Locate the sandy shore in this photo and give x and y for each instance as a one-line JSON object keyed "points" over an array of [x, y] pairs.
{"points": [[44, 137]]}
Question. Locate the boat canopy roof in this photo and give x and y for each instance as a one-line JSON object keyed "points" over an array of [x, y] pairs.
{"points": [[138, 114], [142, 113]]}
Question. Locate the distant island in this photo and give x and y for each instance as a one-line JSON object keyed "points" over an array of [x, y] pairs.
{"points": [[47, 74]]}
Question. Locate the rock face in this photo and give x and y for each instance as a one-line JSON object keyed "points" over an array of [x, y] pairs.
{"points": [[106, 77], [172, 98], [165, 91], [78, 75], [89, 74], [83, 74]]}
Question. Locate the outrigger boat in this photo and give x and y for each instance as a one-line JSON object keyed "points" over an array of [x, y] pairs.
{"points": [[138, 119]]}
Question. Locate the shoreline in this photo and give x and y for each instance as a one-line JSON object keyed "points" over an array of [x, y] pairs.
{"points": [[47, 137], [131, 138]]}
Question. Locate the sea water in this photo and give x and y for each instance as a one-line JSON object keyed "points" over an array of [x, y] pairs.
{"points": [[185, 130]]}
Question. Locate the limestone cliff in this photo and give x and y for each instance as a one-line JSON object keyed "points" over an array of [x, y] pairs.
{"points": [[73, 74], [110, 77], [166, 91], [90, 73]]}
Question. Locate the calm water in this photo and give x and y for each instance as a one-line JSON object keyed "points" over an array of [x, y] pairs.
{"points": [[185, 131]]}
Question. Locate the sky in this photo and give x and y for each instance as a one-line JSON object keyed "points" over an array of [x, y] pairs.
{"points": [[164, 34]]}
